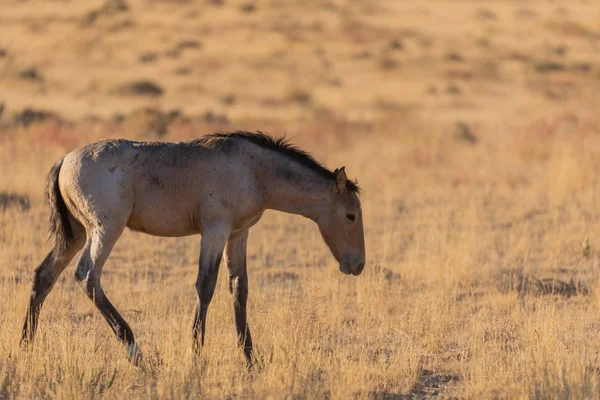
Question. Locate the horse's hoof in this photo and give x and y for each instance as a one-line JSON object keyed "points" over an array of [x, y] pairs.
{"points": [[134, 354]]}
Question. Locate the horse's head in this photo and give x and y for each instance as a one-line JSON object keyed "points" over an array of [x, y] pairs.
{"points": [[341, 225]]}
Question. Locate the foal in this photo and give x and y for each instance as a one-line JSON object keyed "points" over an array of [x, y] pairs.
{"points": [[218, 186]]}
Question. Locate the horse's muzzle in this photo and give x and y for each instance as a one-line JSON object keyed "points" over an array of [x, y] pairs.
{"points": [[352, 266]]}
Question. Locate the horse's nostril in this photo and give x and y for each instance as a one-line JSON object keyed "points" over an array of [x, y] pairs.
{"points": [[357, 269], [345, 268]]}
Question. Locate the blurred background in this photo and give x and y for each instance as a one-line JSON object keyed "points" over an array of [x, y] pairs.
{"points": [[472, 125], [228, 62]]}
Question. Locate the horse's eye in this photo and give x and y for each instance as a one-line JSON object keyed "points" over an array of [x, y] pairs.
{"points": [[351, 217]]}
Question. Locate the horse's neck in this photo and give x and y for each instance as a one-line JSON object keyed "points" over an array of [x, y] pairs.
{"points": [[294, 189]]}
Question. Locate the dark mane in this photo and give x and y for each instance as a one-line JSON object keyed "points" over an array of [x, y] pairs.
{"points": [[282, 146]]}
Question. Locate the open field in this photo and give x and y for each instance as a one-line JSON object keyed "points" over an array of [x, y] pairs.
{"points": [[472, 127]]}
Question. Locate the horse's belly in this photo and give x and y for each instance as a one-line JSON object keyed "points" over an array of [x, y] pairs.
{"points": [[160, 222]]}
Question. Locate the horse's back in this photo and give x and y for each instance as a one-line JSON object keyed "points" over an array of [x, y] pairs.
{"points": [[163, 189]]}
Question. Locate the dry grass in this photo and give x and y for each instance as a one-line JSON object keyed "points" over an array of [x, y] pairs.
{"points": [[454, 233], [471, 125]]}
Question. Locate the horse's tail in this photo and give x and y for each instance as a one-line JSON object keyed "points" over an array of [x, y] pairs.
{"points": [[60, 227]]}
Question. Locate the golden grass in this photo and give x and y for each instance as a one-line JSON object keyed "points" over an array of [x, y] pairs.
{"points": [[451, 230]]}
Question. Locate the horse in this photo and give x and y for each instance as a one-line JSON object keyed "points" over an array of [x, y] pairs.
{"points": [[217, 186]]}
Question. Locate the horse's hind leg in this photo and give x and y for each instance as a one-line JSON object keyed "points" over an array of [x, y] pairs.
{"points": [[45, 276], [89, 271]]}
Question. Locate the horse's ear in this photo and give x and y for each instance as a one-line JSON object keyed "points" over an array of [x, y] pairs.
{"points": [[340, 179]]}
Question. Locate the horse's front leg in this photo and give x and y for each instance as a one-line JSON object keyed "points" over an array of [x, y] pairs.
{"points": [[235, 257], [211, 251]]}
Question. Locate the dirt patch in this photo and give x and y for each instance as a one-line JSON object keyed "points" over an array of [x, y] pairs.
{"points": [[151, 120], [30, 115], [149, 57], [464, 133], [530, 284], [545, 67], [31, 74], [432, 384], [141, 88], [19, 202], [110, 8], [388, 396], [189, 44], [282, 276], [388, 274]]}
